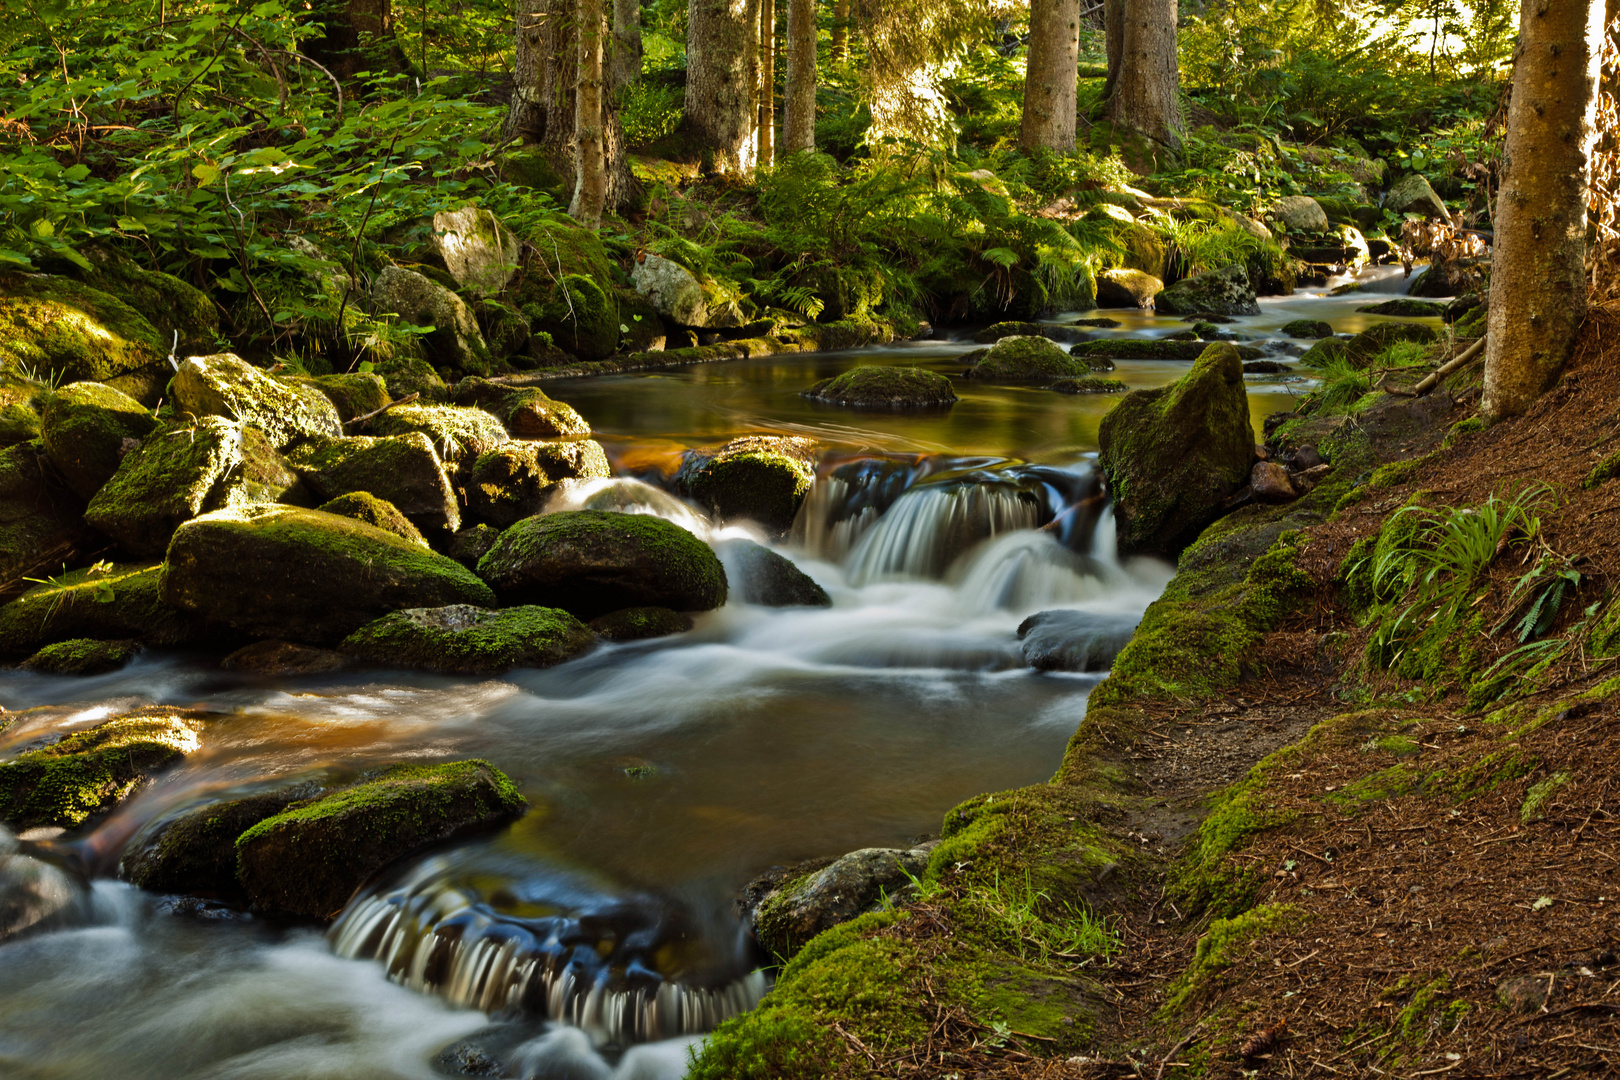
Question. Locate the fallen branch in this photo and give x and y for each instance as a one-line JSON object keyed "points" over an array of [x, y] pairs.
{"points": [[1461, 360], [406, 400]]}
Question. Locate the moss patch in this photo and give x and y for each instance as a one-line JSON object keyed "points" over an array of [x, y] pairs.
{"points": [[90, 771], [57, 326], [366, 507], [82, 656], [465, 640], [877, 387], [1220, 947]]}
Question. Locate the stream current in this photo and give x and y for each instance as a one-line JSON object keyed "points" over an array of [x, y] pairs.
{"points": [[597, 938]]}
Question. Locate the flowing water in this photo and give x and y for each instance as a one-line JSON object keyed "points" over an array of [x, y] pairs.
{"points": [[597, 937]]}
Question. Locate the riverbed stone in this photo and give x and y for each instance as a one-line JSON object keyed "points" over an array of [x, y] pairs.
{"points": [[640, 624], [104, 600], [1173, 454], [581, 317], [1066, 640], [404, 470], [41, 523], [1127, 289], [1269, 482], [1159, 348], [455, 342], [82, 656], [195, 851], [1308, 329], [889, 388], [672, 290], [478, 251], [59, 327], [89, 772], [1025, 359], [1300, 214], [352, 395], [284, 660], [464, 640], [758, 575], [1225, 291], [759, 478], [87, 428], [226, 385], [304, 575], [1412, 194], [458, 433], [514, 480], [34, 889], [366, 507], [592, 562], [308, 860], [803, 907]]}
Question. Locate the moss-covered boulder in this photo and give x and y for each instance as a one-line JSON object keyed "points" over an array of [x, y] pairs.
{"points": [[1324, 352], [366, 507], [22, 400], [405, 374], [887, 388], [455, 341], [58, 327], [306, 576], [87, 428], [195, 851], [527, 411], [308, 860], [1361, 349], [458, 433], [226, 385], [1127, 289], [1026, 359], [1412, 194], [351, 395], [758, 575], [465, 640], [672, 290], [640, 624], [82, 656], [89, 772], [996, 331], [1404, 307], [786, 919], [41, 524], [1218, 292], [403, 470], [1173, 454], [580, 316], [104, 600], [182, 314], [591, 562], [1090, 384], [760, 478], [506, 332], [183, 469], [513, 481], [1308, 329], [472, 543]]}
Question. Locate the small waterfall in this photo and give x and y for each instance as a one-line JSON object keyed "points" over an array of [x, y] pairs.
{"points": [[842, 505], [594, 972], [931, 526], [627, 497], [34, 892], [1027, 570], [1105, 538]]}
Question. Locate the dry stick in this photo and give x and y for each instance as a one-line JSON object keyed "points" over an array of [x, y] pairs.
{"points": [[406, 400], [1463, 359], [1176, 1049]]}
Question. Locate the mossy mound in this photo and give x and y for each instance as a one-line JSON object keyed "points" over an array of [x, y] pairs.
{"points": [[530, 414], [101, 601], [1089, 385], [1155, 349], [87, 428], [1220, 292], [405, 470], [761, 478], [1308, 329], [1172, 454], [89, 772], [592, 562], [306, 576], [1406, 308], [351, 395], [366, 507], [513, 481], [82, 656], [640, 624], [41, 523], [457, 433], [226, 385], [308, 860], [56, 326], [172, 306], [580, 317], [758, 575], [996, 331], [465, 640], [893, 388], [1026, 359], [195, 852]]}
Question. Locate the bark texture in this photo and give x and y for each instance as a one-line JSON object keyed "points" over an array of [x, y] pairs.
{"points": [[722, 73], [1538, 281], [590, 187], [767, 82], [1146, 104], [839, 51], [799, 104], [626, 42], [1113, 42], [1053, 76]]}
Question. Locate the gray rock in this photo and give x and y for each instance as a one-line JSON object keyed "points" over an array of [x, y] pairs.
{"points": [[456, 341], [672, 290], [226, 385], [1221, 292], [1301, 214], [477, 250], [1065, 640], [759, 575], [1412, 194], [800, 908]]}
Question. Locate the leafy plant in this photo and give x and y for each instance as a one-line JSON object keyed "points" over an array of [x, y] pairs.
{"points": [[1042, 927]]}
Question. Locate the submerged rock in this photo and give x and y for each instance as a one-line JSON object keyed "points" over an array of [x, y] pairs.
{"points": [[283, 659], [758, 575], [591, 562], [366, 507], [513, 481], [1026, 359], [1065, 640], [195, 852], [1172, 455], [304, 575], [802, 907], [82, 656], [1220, 292], [761, 478], [87, 428], [309, 860], [640, 624], [877, 387], [103, 600], [226, 385], [465, 640], [405, 470]]}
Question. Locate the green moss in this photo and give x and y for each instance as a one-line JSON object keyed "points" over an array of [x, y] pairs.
{"points": [[86, 428], [1026, 359], [1308, 329], [82, 656], [760, 485], [172, 306], [102, 600], [351, 395], [1483, 776], [1462, 429], [874, 387], [530, 414], [465, 640], [580, 317], [1222, 945], [1385, 784], [56, 326], [1606, 470], [1541, 793], [1154, 349], [996, 331], [403, 469], [90, 771], [1405, 307], [366, 507], [457, 433]]}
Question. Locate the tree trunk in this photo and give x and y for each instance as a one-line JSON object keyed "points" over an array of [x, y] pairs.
{"points": [[799, 107], [590, 186], [1146, 105], [840, 33], [767, 82], [356, 36], [626, 43], [722, 71], [1113, 42], [1538, 281], [1052, 79]]}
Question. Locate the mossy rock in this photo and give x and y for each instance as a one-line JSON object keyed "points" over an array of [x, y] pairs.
{"points": [[786, 920], [1308, 329], [556, 248], [308, 860], [82, 656], [760, 478], [457, 433], [102, 600], [530, 167], [1125, 288], [405, 374], [182, 314], [195, 852], [1406, 308], [1375, 339], [404, 470], [56, 326], [886, 388], [506, 329], [592, 562], [1173, 454], [1089, 385], [304, 575], [580, 317], [996, 331], [644, 329], [1225, 291], [284, 660], [89, 772], [366, 507], [530, 414], [455, 342], [183, 469], [351, 395], [465, 640], [87, 428], [41, 518], [513, 481], [22, 400], [473, 543], [1026, 360], [226, 385], [1163, 348], [640, 624], [758, 575]]}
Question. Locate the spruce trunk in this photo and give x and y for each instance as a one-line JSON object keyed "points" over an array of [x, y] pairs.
{"points": [[767, 82], [626, 43], [1052, 78], [1113, 42], [722, 70], [1146, 103], [1538, 260], [839, 51], [799, 107], [590, 187]]}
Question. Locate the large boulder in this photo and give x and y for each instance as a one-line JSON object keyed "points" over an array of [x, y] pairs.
{"points": [[514, 481], [185, 469], [476, 249], [195, 851], [306, 576], [89, 772], [226, 385], [41, 523], [465, 640], [459, 434], [351, 395], [887, 388], [760, 478], [758, 575], [104, 600], [591, 562], [1412, 194], [1300, 214], [1065, 640], [672, 289], [182, 314], [1215, 292], [403, 469], [455, 342], [1127, 289], [55, 326], [527, 411], [366, 507], [22, 400], [87, 428], [581, 317], [1173, 454], [308, 860], [801, 907], [1025, 359]]}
